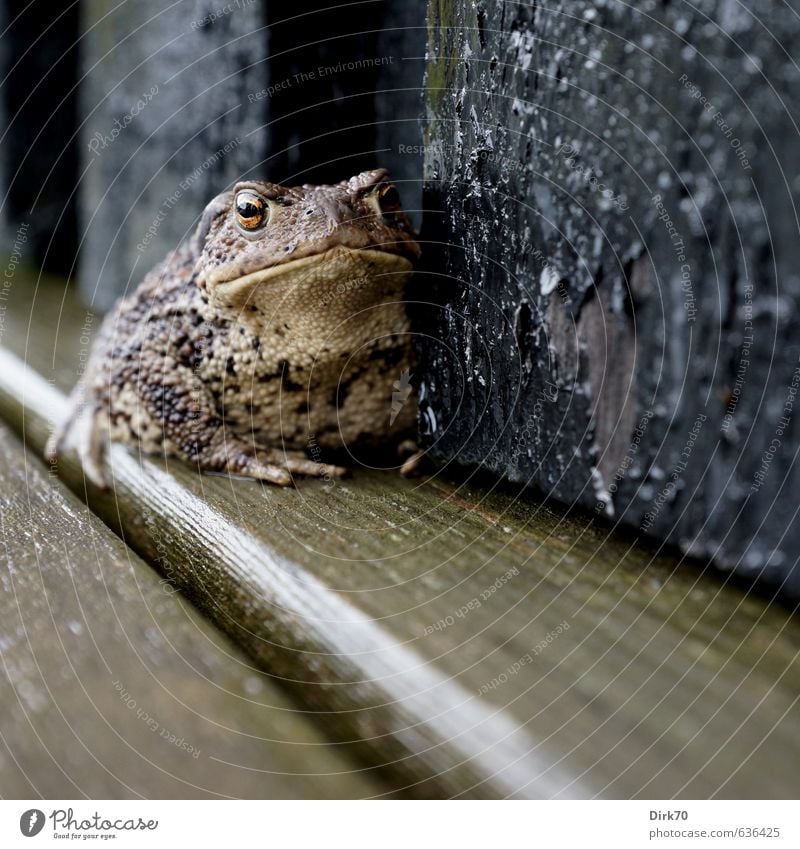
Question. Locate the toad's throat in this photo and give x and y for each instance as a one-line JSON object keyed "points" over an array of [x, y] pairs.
{"points": [[332, 269]]}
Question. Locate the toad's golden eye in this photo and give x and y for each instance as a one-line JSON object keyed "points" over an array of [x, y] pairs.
{"points": [[389, 198], [250, 210]]}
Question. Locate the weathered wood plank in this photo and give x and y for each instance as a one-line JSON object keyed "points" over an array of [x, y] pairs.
{"points": [[468, 642], [114, 687]]}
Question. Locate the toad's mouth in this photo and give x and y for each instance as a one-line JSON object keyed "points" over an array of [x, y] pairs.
{"points": [[332, 267]]}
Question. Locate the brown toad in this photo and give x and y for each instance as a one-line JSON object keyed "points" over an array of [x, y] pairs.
{"points": [[277, 331]]}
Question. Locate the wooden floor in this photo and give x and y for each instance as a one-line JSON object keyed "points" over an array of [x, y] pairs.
{"points": [[373, 636]]}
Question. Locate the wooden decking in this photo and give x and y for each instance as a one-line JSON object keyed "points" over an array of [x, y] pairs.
{"points": [[114, 687], [444, 639]]}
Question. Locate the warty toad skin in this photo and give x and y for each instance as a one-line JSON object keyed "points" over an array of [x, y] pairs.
{"points": [[278, 329]]}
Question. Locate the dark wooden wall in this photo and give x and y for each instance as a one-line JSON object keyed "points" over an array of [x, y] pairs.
{"points": [[614, 187], [39, 145]]}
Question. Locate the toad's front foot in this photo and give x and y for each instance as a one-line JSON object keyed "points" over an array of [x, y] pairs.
{"points": [[239, 457], [413, 458]]}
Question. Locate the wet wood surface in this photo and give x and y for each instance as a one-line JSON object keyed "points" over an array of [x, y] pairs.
{"points": [[113, 686], [462, 641]]}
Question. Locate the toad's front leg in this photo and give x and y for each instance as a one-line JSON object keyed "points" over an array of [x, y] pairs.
{"points": [[184, 422], [173, 414]]}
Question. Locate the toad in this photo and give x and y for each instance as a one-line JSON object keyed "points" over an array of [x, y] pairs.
{"points": [[277, 333]]}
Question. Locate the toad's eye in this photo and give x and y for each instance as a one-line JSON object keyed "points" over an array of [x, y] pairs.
{"points": [[389, 198], [250, 210]]}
